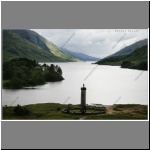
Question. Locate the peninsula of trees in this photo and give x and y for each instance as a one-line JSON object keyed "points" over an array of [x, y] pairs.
{"points": [[23, 72]]}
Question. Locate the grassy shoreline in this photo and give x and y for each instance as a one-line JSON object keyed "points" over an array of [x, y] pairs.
{"points": [[53, 111]]}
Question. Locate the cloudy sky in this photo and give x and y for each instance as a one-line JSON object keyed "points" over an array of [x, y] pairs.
{"points": [[94, 42]]}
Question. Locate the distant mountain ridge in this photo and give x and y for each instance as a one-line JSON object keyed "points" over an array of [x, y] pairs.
{"points": [[138, 59], [128, 49], [29, 44], [80, 56]]}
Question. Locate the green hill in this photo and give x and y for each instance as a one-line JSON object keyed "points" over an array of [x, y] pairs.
{"points": [[139, 54], [135, 60], [128, 49], [29, 44]]}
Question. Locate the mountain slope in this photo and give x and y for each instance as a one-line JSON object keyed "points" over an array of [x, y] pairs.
{"points": [[32, 37], [130, 48], [29, 44], [80, 56], [14, 47], [140, 54], [135, 60]]}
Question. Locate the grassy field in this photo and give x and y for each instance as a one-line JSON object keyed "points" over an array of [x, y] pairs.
{"points": [[53, 111]]}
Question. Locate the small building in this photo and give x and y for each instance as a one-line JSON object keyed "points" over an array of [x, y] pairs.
{"points": [[45, 67]]}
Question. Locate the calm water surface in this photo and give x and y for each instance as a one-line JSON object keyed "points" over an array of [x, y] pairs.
{"points": [[105, 85]]}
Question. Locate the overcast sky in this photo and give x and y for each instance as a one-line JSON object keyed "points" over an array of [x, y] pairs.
{"points": [[94, 42]]}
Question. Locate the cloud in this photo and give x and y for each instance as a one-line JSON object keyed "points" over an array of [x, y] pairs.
{"points": [[95, 42]]}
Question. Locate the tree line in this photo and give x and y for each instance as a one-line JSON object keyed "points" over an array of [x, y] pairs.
{"points": [[23, 72]]}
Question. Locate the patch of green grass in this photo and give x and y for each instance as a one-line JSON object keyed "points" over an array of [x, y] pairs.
{"points": [[117, 116], [126, 105]]}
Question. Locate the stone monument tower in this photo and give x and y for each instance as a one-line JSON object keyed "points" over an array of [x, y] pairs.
{"points": [[83, 99]]}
